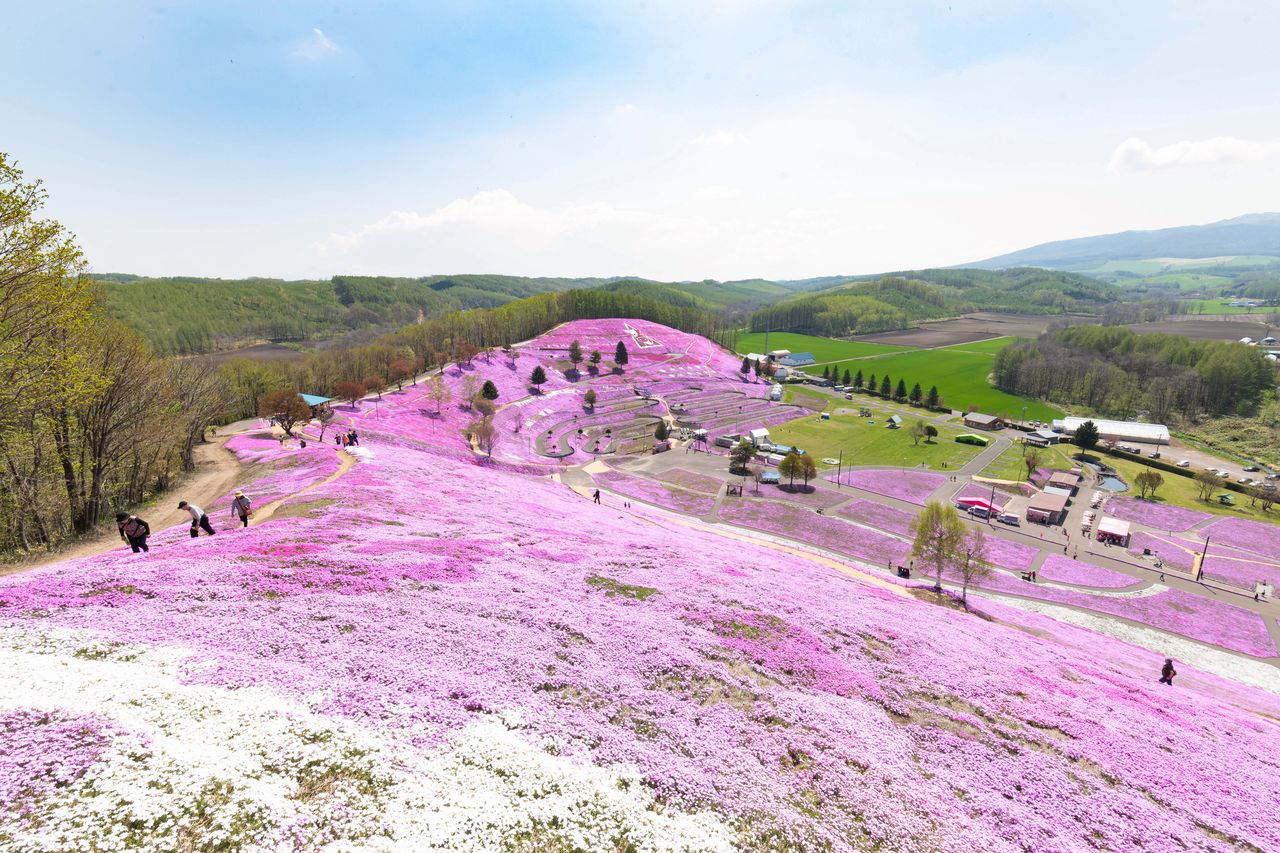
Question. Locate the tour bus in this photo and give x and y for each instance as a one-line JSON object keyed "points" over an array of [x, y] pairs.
{"points": [[970, 438]]}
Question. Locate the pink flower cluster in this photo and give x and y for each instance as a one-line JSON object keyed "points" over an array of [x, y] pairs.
{"points": [[1062, 569], [44, 751], [901, 483], [1244, 534], [1155, 514]]}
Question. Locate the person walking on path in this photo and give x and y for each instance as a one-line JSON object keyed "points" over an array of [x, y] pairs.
{"points": [[199, 521], [595, 498], [242, 507], [133, 530], [353, 438], [1167, 672]]}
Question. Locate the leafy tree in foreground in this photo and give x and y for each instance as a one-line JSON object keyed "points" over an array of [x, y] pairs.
{"points": [[1147, 482], [589, 399], [400, 370], [930, 432], [575, 354], [470, 389], [1086, 437], [746, 367], [741, 455], [351, 391], [375, 384], [808, 468], [538, 378], [661, 431], [620, 356], [489, 391], [973, 563], [485, 434], [939, 536], [791, 467], [594, 360], [483, 406], [287, 408], [1031, 459]]}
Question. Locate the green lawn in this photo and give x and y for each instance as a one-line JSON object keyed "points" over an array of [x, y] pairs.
{"points": [[823, 349], [1010, 464], [1182, 491], [1221, 306], [992, 346], [865, 443], [961, 377]]}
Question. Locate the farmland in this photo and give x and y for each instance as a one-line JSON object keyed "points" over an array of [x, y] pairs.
{"points": [[823, 349]]}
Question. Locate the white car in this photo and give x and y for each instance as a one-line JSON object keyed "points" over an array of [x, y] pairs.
{"points": [[1184, 463], [1244, 481]]}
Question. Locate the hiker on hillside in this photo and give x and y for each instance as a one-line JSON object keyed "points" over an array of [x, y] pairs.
{"points": [[353, 438], [596, 497], [199, 520], [1167, 672], [133, 530], [242, 508]]}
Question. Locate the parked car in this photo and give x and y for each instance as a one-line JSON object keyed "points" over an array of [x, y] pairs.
{"points": [[979, 512], [848, 396], [1009, 518], [1250, 468], [1244, 481], [1273, 476], [1184, 463]]}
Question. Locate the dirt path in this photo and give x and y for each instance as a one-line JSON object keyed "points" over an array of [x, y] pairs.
{"points": [[345, 461]]}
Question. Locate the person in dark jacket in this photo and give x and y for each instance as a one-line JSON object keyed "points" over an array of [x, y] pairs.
{"points": [[353, 439], [1167, 672], [133, 530]]}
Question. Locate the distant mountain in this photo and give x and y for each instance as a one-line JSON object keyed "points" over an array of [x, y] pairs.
{"points": [[1252, 234]]}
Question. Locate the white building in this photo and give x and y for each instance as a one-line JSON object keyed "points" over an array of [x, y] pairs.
{"points": [[1117, 430]]}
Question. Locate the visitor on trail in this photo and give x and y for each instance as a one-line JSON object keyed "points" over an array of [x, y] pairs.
{"points": [[596, 497], [302, 442], [242, 508], [1167, 672], [354, 439], [198, 519], [134, 531], [337, 439], [345, 439]]}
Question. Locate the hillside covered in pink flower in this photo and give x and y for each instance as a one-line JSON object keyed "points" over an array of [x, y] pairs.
{"points": [[441, 651]]}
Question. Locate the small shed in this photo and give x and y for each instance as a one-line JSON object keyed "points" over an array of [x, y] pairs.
{"points": [[1064, 480], [894, 422], [1042, 437], [1047, 508], [977, 420], [759, 436], [317, 403]]}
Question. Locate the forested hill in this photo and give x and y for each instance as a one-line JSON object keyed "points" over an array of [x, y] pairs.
{"points": [[863, 306], [1254, 234], [185, 315]]}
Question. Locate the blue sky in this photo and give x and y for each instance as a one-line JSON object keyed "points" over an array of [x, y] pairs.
{"points": [[723, 139]]}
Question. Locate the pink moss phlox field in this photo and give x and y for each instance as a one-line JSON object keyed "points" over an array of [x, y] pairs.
{"points": [[1228, 565], [659, 494], [1008, 554], [425, 592], [816, 495], [907, 485], [42, 752], [1243, 534], [879, 516], [1154, 514], [691, 480], [1060, 569], [982, 492]]}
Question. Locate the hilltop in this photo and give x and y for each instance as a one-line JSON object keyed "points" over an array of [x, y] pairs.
{"points": [[1255, 234], [438, 650]]}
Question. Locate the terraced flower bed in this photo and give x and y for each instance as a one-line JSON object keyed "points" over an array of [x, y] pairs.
{"points": [[656, 493], [691, 480], [1065, 570], [1247, 535], [1155, 514], [825, 531], [911, 486], [1227, 565], [879, 516]]}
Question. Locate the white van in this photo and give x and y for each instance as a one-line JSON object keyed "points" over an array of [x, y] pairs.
{"points": [[1009, 518], [1184, 463], [979, 511]]}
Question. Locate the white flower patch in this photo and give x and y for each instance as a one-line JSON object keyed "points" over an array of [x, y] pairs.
{"points": [[201, 765], [1228, 665]]}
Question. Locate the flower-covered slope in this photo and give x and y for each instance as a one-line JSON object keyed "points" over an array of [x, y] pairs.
{"points": [[436, 653]]}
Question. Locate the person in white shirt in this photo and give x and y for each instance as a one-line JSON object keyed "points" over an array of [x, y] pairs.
{"points": [[241, 508], [198, 519]]}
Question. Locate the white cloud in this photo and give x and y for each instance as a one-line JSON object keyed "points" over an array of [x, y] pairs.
{"points": [[716, 193], [315, 47], [624, 109], [720, 137], [1137, 155]]}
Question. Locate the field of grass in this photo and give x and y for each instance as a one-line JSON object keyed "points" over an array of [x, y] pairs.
{"points": [[1010, 464], [823, 349], [961, 376], [865, 443], [991, 347], [1190, 280], [1220, 306]]}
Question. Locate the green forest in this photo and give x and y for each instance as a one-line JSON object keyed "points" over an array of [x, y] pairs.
{"points": [[895, 301], [1119, 372]]}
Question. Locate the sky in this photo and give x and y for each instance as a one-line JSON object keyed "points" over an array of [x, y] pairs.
{"points": [[672, 139]]}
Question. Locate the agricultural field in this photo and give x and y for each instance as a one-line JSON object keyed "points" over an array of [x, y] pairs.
{"points": [[1211, 327], [1196, 307], [823, 349], [865, 443], [972, 327], [961, 376]]}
